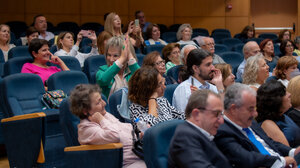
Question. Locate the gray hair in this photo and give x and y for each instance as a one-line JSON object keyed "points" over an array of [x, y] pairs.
{"points": [[184, 48], [201, 41], [251, 69], [181, 28], [233, 94], [247, 46]]}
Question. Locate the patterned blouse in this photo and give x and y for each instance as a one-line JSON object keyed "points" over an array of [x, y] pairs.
{"points": [[165, 112]]}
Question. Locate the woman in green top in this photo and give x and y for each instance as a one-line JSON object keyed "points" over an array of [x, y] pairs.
{"points": [[171, 54], [121, 64]]}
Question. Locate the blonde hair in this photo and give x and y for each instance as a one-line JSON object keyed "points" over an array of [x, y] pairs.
{"points": [[251, 69], [2, 25], [294, 89], [109, 24], [181, 28], [61, 36]]}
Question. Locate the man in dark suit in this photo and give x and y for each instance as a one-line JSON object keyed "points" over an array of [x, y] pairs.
{"points": [[242, 140], [192, 144]]}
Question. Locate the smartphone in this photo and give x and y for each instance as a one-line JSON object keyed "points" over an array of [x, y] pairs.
{"points": [[85, 33], [192, 81], [137, 22]]}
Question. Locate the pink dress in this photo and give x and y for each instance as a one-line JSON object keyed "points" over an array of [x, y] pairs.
{"points": [[110, 130], [44, 73]]}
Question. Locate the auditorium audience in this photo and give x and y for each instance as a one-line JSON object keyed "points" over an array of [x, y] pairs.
{"points": [[39, 50], [247, 33], [191, 145], [153, 34], [208, 44], [121, 64], [146, 88], [171, 55], [256, 71], [201, 75], [285, 66], [65, 44], [98, 127], [142, 20], [287, 48], [227, 75], [251, 48], [5, 40], [40, 24], [267, 49], [102, 39], [272, 102], [294, 89], [184, 34], [154, 59], [242, 140], [136, 36]]}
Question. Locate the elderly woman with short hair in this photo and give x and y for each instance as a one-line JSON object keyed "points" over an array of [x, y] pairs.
{"points": [[171, 55], [256, 71], [184, 34], [285, 66]]}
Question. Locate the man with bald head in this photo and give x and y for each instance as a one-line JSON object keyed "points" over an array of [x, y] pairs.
{"points": [[208, 44], [251, 48], [185, 51]]}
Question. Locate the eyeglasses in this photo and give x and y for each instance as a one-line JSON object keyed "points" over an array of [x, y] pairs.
{"points": [[175, 52], [160, 63], [210, 44], [289, 45], [216, 113]]}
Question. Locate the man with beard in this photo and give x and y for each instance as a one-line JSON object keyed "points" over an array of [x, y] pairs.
{"points": [[242, 140], [40, 24], [200, 70], [208, 44]]}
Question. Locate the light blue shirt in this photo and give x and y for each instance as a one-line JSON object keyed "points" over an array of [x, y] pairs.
{"points": [[240, 71]]}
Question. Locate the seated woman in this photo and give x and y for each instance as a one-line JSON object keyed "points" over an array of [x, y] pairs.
{"points": [[284, 34], [294, 89], [146, 88], [272, 102], [171, 54], [40, 53], [31, 33], [267, 49], [287, 48], [5, 40], [297, 46], [102, 40], [121, 64], [98, 127], [153, 34], [247, 33], [184, 35], [154, 59], [227, 76], [256, 71], [113, 24], [284, 67], [136, 37], [65, 44]]}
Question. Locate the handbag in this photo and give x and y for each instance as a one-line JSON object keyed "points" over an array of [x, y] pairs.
{"points": [[53, 98], [137, 145]]}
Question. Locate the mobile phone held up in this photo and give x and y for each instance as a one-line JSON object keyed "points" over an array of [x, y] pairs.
{"points": [[85, 33], [136, 22]]}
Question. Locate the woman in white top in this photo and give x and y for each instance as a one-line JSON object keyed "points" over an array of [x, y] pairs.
{"points": [[256, 71], [284, 67], [4, 40], [184, 34], [153, 33], [65, 44]]}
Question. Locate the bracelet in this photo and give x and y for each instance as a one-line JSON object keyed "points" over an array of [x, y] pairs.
{"points": [[152, 98]]}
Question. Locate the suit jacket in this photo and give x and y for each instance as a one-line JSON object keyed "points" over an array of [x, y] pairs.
{"points": [[190, 148], [241, 152]]}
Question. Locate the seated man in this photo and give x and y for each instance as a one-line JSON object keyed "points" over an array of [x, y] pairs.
{"points": [[208, 44], [192, 144], [40, 24], [242, 140]]}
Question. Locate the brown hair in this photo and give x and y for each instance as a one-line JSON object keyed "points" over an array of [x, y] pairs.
{"points": [[80, 99], [61, 36], [294, 89], [150, 58], [166, 51], [281, 33], [149, 30], [263, 44], [244, 32], [100, 41], [225, 70], [142, 85], [30, 31], [283, 64]]}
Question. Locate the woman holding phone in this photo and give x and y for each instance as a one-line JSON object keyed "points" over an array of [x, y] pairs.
{"points": [[41, 55], [65, 44]]}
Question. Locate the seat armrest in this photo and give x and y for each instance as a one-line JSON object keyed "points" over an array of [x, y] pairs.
{"points": [[24, 117], [94, 147]]}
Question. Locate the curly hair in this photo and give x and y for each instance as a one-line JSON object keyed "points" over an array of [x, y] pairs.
{"points": [[61, 36], [283, 64], [181, 28], [142, 85], [294, 89], [149, 59], [251, 69], [80, 99], [284, 44], [166, 51], [244, 32], [263, 44], [269, 100]]}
